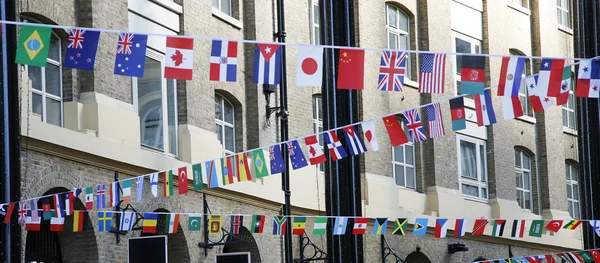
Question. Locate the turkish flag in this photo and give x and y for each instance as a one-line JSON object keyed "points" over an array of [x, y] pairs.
{"points": [[554, 225], [183, 185], [595, 255], [397, 135], [351, 69]]}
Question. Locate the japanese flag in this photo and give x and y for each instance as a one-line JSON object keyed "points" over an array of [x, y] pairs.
{"points": [[310, 66], [370, 135]]}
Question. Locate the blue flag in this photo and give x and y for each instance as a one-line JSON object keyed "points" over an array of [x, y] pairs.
{"points": [[267, 64], [131, 55], [277, 164], [296, 155], [420, 227], [211, 174], [81, 49], [104, 221]]}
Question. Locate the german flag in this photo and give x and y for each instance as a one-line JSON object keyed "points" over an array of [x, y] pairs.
{"points": [[572, 225], [299, 225], [400, 226], [79, 224]]}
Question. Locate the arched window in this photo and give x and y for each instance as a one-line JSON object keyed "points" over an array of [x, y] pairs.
{"points": [[398, 32], [225, 123], [523, 179], [46, 84], [572, 173]]}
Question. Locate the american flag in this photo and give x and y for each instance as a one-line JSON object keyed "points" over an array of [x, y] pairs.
{"points": [[414, 125], [436, 124], [431, 79], [391, 71]]}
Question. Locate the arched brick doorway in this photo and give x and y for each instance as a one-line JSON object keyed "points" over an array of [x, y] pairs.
{"points": [[243, 242], [176, 243], [65, 246], [417, 257]]}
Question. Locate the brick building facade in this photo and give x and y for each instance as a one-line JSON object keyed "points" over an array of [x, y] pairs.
{"points": [[80, 127]]}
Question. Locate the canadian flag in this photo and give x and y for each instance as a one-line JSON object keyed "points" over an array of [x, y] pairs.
{"points": [[179, 58], [368, 128], [310, 66], [315, 152]]}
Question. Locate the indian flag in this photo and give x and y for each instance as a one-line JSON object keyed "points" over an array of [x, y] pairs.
{"points": [[320, 226], [173, 223]]}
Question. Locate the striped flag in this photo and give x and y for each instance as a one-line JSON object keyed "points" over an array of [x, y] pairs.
{"points": [[518, 228], [510, 76], [320, 227], [114, 194], [484, 109], [498, 229], [434, 120], [127, 191], [172, 223], [58, 206], [431, 79], [353, 141], [168, 190], [79, 223], [139, 188], [339, 228], [459, 228]]}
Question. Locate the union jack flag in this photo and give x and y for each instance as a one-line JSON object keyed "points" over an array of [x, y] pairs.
{"points": [[391, 71], [76, 38], [414, 125], [125, 43]]}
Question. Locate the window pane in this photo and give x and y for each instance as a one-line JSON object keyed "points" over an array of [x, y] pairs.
{"points": [[399, 154], [461, 47], [150, 104], [527, 203], [219, 131], [392, 17], [565, 121], [54, 50], [482, 161], [410, 177], [559, 15], [53, 111], [36, 104], [409, 151], [215, 4], [569, 191], [228, 112], [404, 45], [571, 212], [392, 41], [316, 16], [218, 107], [576, 210], [519, 180], [468, 159], [574, 173], [226, 6], [484, 193], [526, 161], [527, 180], [53, 79], [317, 36], [520, 198], [319, 109], [575, 191], [399, 170], [571, 119], [229, 139], [402, 22], [172, 116], [35, 76], [567, 171], [518, 159], [470, 190]]}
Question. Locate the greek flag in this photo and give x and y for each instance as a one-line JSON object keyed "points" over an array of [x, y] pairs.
{"points": [[139, 187]]}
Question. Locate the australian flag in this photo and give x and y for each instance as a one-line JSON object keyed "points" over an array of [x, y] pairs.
{"points": [[296, 155], [81, 49], [131, 55], [277, 164], [267, 64]]}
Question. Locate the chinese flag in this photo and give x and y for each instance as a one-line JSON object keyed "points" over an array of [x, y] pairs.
{"points": [[351, 69], [397, 135]]}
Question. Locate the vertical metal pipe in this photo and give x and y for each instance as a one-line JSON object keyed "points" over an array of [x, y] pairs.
{"points": [[6, 180]]}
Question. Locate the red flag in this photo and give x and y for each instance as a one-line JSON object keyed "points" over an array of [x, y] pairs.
{"points": [[479, 226], [397, 135], [550, 259], [11, 207], [360, 226], [595, 255], [562, 99], [179, 57], [183, 180], [554, 225], [351, 69]]}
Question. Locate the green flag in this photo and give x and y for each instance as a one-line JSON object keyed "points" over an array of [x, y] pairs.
{"points": [[536, 228], [197, 170], [320, 226], [586, 256], [33, 45], [260, 168], [400, 226], [194, 222]]}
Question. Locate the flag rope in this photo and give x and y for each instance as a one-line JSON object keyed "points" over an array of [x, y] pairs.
{"points": [[18, 23], [539, 255]]}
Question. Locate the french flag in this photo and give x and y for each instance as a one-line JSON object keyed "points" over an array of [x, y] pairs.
{"points": [[484, 109], [267, 64], [511, 107], [588, 81], [58, 206], [551, 76], [353, 141], [510, 76]]}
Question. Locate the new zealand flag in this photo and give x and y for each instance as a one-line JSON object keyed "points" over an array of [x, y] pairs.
{"points": [[81, 49]]}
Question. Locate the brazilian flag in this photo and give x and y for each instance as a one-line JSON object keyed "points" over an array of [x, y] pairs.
{"points": [[33, 45]]}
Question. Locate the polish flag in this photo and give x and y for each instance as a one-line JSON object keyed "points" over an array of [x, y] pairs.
{"points": [[310, 66], [315, 153], [179, 58]]}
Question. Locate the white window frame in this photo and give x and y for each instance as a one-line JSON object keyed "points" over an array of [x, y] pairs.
{"points": [[565, 114], [224, 124], [521, 170], [220, 6], [482, 177], [563, 8], [45, 95], [314, 25], [476, 46], [520, 4], [571, 183], [404, 164], [398, 32], [318, 125], [164, 96]]}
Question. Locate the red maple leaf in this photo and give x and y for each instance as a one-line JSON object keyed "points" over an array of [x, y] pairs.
{"points": [[177, 58]]}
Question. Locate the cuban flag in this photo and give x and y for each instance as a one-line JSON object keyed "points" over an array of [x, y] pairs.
{"points": [[58, 206], [588, 81], [267, 64], [223, 61], [336, 150], [511, 73], [353, 141], [484, 109], [391, 71]]}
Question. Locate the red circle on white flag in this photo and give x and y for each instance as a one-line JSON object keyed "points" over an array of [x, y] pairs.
{"points": [[309, 66]]}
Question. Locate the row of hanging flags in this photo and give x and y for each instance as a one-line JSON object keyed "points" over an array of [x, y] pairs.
{"points": [[581, 256]]}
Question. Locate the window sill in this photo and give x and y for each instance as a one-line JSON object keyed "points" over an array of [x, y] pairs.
{"points": [[565, 29], [169, 5], [570, 131], [411, 83], [406, 188], [475, 199], [519, 8], [527, 119], [227, 18], [158, 151]]}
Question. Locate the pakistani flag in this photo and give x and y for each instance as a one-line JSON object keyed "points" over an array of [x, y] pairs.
{"points": [[260, 167], [33, 46], [194, 222], [320, 226], [536, 228]]}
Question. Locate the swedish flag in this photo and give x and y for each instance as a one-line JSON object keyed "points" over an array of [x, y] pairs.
{"points": [[33, 46]]}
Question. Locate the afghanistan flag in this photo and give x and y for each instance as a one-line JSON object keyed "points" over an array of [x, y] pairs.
{"points": [[472, 75]]}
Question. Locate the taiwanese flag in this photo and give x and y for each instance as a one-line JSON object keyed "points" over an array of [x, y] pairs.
{"points": [[551, 76], [351, 69], [472, 75], [457, 111], [397, 135]]}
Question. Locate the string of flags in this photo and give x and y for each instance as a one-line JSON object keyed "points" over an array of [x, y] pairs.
{"points": [[581, 256]]}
